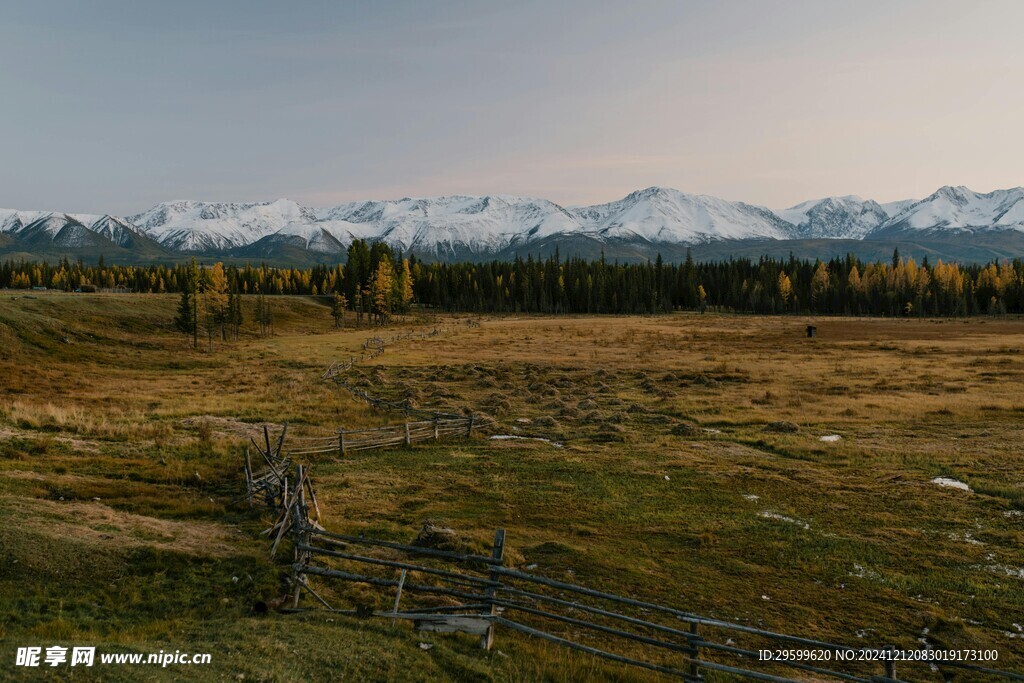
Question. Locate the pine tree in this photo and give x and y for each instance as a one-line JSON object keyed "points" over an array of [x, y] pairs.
{"points": [[186, 320], [235, 312]]}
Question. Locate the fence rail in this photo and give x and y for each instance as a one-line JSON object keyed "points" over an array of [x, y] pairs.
{"points": [[446, 590], [426, 425], [345, 441]]}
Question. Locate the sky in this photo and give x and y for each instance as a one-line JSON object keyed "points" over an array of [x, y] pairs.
{"points": [[112, 107]]}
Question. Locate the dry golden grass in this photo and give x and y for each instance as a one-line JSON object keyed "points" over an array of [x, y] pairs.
{"points": [[849, 540]]}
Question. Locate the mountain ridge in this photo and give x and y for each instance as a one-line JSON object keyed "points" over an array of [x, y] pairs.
{"points": [[466, 226]]}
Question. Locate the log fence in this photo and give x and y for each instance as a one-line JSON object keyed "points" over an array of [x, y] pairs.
{"points": [[442, 590], [346, 441], [426, 425]]}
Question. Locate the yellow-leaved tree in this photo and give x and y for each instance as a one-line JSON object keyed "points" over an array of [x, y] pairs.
{"points": [[215, 301], [785, 289], [381, 291]]}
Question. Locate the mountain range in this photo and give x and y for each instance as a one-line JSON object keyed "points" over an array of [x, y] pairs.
{"points": [[951, 223]]}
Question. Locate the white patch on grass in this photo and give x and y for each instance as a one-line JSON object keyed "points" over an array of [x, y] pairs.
{"points": [[1016, 572], [950, 483], [507, 437], [862, 572], [831, 438], [751, 496], [1013, 513], [767, 514], [965, 537]]}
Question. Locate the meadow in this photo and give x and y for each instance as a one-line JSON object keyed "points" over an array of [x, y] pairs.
{"points": [[724, 464]]}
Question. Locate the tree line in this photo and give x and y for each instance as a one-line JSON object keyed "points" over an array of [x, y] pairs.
{"points": [[376, 282]]}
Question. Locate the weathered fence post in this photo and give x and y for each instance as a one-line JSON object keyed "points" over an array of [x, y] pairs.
{"points": [[408, 439], [469, 427], [301, 528], [341, 441], [248, 474], [694, 668], [437, 437], [498, 553], [890, 664], [398, 596]]}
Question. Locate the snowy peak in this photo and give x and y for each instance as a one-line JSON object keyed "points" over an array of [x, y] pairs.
{"points": [[456, 224], [659, 214], [848, 217], [211, 226], [456, 227], [961, 209], [117, 230], [70, 231]]}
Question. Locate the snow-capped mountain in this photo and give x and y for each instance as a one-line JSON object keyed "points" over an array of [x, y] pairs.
{"points": [[211, 226], [848, 217], [455, 225], [961, 209], [664, 215], [640, 225], [12, 221], [42, 229], [329, 237]]}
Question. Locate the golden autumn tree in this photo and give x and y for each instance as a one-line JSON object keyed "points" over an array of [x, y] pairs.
{"points": [[338, 307], [403, 287], [381, 291], [215, 301], [785, 289]]}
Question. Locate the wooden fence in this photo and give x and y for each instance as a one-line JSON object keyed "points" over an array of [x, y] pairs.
{"points": [[348, 440], [427, 425], [444, 590], [265, 480]]}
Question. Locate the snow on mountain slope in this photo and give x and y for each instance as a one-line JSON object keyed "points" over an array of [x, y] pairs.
{"points": [[201, 226], [13, 221], [848, 217], [459, 223], [660, 214], [68, 230], [117, 230], [455, 227], [61, 230], [323, 236], [895, 208], [959, 208]]}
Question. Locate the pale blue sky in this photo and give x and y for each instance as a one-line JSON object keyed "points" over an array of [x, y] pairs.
{"points": [[115, 106]]}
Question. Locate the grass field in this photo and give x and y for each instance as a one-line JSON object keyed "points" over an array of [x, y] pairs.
{"points": [[120, 467]]}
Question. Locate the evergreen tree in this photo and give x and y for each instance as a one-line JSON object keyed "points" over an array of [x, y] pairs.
{"points": [[187, 320]]}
